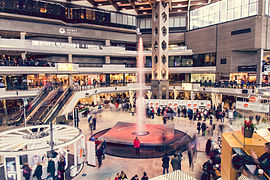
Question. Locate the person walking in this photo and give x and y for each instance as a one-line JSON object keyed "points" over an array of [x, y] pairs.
{"points": [[203, 128], [51, 168], [117, 176], [135, 177], [198, 127], [99, 157], [175, 163], [94, 121], [26, 171], [122, 176], [103, 147], [165, 163], [91, 128], [137, 144], [222, 116], [184, 111], [38, 171], [61, 167], [145, 177], [221, 127], [208, 146], [180, 157], [190, 158]]}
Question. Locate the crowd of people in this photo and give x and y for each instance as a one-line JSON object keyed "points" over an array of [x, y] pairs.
{"points": [[53, 171], [29, 61], [123, 176], [230, 84]]}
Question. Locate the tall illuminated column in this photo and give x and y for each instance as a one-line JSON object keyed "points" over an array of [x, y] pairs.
{"points": [[160, 43]]}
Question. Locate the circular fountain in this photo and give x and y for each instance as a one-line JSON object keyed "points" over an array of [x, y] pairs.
{"points": [[156, 139]]}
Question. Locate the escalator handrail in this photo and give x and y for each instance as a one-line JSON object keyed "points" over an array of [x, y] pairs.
{"points": [[56, 105], [53, 95], [16, 118], [49, 106]]}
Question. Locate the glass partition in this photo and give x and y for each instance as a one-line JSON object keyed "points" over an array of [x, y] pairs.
{"points": [[174, 22], [222, 11], [78, 14]]}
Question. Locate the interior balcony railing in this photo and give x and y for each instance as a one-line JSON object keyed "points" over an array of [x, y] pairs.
{"points": [[66, 13]]}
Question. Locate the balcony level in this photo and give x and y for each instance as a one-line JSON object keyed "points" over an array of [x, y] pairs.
{"points": [[66, 68], [49, 47]]}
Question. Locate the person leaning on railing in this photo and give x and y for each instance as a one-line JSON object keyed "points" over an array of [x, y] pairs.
{"points": [[264, 160]]}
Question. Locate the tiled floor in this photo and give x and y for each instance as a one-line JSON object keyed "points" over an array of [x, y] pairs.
{"points": [[153, 167]]}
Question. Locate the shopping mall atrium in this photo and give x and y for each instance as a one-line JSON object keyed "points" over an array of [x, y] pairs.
{"points": [[134, 89]]}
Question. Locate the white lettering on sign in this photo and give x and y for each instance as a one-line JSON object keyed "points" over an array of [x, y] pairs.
{"points": [[68, 31], [65, 45]]}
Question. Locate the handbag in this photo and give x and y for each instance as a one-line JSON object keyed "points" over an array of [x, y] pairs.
{"points": [[59, 174]]}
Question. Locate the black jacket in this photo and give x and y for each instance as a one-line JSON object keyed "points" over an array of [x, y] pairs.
{"points": [[38, 171], [51, 167]]}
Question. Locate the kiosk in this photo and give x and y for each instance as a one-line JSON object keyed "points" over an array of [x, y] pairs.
{"points": [[31, 145]]}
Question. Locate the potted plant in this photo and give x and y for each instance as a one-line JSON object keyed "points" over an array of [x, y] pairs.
{"points": [[248, 129]]}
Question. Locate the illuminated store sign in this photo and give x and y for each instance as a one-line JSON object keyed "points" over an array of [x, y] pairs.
{"points": [[65, 67], [64, 45], [187, 86]]}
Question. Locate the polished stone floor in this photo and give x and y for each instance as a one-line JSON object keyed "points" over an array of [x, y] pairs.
{"points": [[153, 167]]}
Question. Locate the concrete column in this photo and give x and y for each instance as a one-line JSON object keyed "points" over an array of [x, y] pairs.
{"points": [[23, 55], [187, 21], [160, 43], [70, 58], [107, 59], [107, 78], [261, 7], [5, 107], [259, 67], [107, 42], [69, 39], [70, 78], [124, 79], [192, 95], [187, 77], [22, 35]]}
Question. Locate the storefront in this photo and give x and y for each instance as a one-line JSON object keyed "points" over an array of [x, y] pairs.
{"points": [[16, 82], [88, 78], [116, 78], [131, 78], [36, 80], [42, 79], [203, 77], [238, 77]]}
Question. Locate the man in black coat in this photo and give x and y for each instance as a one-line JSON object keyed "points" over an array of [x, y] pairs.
{"points": [[51, 168], [94, 121], [99, 156], [165, 163], [203, 128], [38, 171]]}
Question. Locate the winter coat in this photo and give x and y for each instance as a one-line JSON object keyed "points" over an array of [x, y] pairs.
{"points": [[51, 168], [165, 161], [136, 143], [38, 171], [175, 163]]}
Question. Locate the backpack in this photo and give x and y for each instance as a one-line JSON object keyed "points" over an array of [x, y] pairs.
{"points": [[26, 171]]}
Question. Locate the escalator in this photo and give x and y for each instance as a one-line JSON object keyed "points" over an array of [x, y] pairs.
{"points": [[18, 118], [55, 110], [42, 111]]}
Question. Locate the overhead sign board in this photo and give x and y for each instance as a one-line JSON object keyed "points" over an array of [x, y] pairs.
{"points": [[64, 67]]}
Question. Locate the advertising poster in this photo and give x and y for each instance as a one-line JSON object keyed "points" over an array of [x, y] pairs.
{"points": [[91, 153], [11, 168]]}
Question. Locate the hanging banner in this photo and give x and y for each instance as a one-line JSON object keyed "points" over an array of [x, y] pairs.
{"points": [[189, 104], [254, 106], [91, 153]]}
